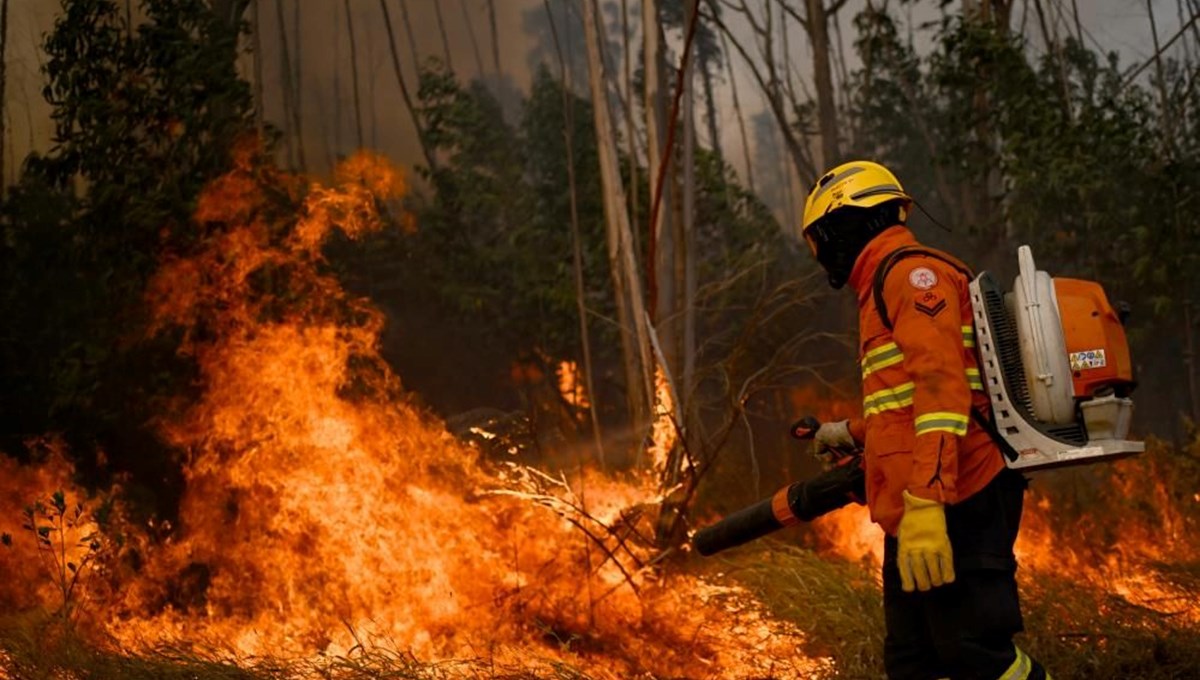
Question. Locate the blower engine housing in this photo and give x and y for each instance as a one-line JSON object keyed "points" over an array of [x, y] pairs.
{"points": [[1056, 367]]}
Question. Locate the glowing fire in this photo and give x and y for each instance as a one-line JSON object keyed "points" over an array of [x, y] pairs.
{"points": [[850, 534], [571, 385], [664, 433], [324, 513]]}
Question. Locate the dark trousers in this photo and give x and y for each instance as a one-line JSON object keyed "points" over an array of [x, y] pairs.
{"points": [[963, 630]]}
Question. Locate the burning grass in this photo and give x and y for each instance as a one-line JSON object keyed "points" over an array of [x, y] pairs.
{"points": [[331, 529]]}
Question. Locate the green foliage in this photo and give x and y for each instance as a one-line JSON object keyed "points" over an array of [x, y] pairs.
{"points": [[1055, 148], [491, 257], [144, 116]]}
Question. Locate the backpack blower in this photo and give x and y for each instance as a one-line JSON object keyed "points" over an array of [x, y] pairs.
{"points": [[1056, 368]]}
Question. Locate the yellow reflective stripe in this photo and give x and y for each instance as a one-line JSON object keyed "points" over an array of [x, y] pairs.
{"points": [[871, 354], [897, 397], [968, 335], [881, 357], [974, 379], [942, 421], [1020, 668]]}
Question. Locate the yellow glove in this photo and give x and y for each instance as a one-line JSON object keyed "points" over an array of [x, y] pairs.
{"points": [[923, 554]]}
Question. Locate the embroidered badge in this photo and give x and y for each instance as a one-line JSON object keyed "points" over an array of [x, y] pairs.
{"points": [[930, 304], [922, 278]]}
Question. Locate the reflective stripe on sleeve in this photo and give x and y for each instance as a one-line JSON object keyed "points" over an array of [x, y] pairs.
{"points": [[889, 354], [942, 421], [974, 379], [897, 397], [881, 357], [1020, 668], [968, 335]]}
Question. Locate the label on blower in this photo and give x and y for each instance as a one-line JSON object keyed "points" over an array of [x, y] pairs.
{"points": [[1090, 358]]}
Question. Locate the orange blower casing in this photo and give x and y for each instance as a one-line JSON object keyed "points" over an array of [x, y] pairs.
{"points": [[1095, 338]]}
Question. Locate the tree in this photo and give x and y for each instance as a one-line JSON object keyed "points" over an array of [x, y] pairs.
{"points": [[143, 119], [627, 285]]}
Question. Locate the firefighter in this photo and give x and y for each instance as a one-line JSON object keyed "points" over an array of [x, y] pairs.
{"points": [[936, 479]]}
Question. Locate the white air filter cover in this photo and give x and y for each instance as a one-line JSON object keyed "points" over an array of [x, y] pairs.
{"points": [[1043, 348]]}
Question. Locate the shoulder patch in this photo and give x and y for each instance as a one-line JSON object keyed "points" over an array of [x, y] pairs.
{"points": [[922, 278]]}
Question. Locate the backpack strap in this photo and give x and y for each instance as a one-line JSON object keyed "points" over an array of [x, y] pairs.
{"points": [[885, 267]]}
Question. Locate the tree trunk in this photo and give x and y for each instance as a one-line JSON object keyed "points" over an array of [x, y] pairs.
{"points": [[437, 7], [372, 109], [630, 129], [256, 47], [710, 112], [741, 118], [471, 34], [1164, 114], [297, 81], [430, 159], [818, 34], [568, 97], [412, 41], [769, 84], [491, 5], [687, 244], [285, 69], [626, 283], [358, 125], [337, 76], [3, 91], [660, 261], [1189, 362]]}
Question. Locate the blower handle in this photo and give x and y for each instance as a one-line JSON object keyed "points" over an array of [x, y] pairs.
{"points": [[805, 428]]}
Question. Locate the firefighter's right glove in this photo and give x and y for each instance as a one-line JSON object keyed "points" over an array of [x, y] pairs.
{"points": [[923, 554], [832, 437]]}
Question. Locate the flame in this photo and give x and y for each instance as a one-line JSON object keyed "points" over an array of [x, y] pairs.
{"points": [[571, 385], [664, 434], [324, 513], [850, 534]]}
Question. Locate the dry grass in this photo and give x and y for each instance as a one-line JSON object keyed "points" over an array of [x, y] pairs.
{"points": [[1074, 628], [34, 648]]}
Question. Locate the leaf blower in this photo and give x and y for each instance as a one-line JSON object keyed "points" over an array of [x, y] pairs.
{"points": [[1056, 367], [840, 485]]}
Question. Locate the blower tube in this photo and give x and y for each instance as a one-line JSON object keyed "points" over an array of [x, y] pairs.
{"points": [[798, 502]]}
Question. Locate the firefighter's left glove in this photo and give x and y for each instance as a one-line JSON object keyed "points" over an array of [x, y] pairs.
{"points": [[832, 437], [923, 547]]}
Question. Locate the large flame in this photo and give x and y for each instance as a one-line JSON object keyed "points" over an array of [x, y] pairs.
{"points": [[324, 513]]}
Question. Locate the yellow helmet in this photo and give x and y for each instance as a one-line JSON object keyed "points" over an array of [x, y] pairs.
{"points": [[861, 184]]}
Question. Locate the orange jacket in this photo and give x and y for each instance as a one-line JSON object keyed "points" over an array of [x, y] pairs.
{"points": [[920, 381]]}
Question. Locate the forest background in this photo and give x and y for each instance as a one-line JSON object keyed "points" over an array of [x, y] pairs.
{"points": [[590, 242], [1010, 122]]}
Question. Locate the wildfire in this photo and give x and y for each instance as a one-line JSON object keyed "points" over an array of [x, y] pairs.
{"points": [[850, 534], [571, 385], [664, 432], [323, 513]]}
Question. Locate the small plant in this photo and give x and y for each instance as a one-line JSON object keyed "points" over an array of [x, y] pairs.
{"points": [[67, 539]]}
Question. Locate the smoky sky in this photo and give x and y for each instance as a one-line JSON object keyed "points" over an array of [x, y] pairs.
{"points": [[318, 36]]}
